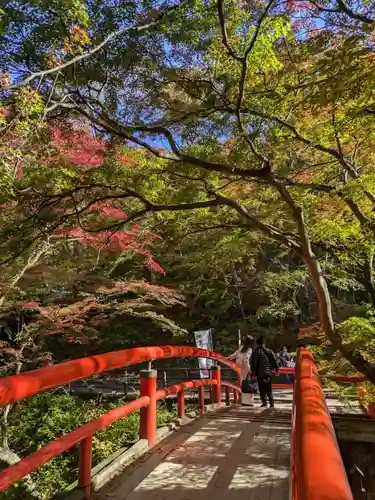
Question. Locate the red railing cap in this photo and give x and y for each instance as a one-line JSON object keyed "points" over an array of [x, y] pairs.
{"points": [[318, 470], [27, 384], [32, 462]]}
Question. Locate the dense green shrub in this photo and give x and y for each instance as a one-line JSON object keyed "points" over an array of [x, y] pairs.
{"points": [[39, 420]]}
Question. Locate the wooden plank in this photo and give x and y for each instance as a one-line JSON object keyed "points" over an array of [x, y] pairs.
{"points": [[226, 455]]}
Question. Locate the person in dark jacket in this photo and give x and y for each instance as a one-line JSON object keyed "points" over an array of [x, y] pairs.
{"points": [[263, 361]]}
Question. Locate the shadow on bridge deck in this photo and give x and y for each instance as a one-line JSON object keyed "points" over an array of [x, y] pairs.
{"points": [[241, 453]]}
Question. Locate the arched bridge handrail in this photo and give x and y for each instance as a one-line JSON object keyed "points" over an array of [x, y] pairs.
{"points": [[347, 379], [191, 384], [317, 467], [84, 434], [224, 383], [27, 384]]}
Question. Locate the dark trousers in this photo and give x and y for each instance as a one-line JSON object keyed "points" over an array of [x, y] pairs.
{"points": [[265, 389]]}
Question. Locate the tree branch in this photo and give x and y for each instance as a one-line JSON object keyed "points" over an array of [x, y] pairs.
{"points": [[125, 133], [31, 261], [203, 229], [130, 29], [349, 167], [253, 221], [325, 188], [343, 7], [225, 40], [248, 50], [354, 15]]}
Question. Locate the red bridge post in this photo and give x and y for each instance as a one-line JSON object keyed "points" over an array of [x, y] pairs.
{"points": [[85, 463], [181, 403], [147, 425], [227, 396], [201, 397], [216, 375], [18, 387]]}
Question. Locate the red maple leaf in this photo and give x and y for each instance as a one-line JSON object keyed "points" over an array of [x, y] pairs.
{"points": [[29, 305], [108, 210], [79, 147], [119, 241]]}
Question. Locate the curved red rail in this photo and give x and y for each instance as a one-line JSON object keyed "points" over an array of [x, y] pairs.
{"points": [[174, 389], [18, 387], [229, 385], [285, 370], [345, 379], [22, 386], [317, 468], [29, 464]]}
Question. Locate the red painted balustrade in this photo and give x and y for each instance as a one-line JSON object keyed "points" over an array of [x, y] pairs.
{"points": [[317, 469], [13, 389]]}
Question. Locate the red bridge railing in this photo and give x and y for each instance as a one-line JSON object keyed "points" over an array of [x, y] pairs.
{"points": [[13, 389], [358, 380], [317, 469], [16, 388]]}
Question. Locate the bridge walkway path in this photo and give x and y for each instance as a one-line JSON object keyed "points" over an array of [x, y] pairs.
{"points": [[241, 453]]}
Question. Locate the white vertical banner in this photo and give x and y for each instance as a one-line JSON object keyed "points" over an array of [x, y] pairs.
{"points": [[203, 340]]}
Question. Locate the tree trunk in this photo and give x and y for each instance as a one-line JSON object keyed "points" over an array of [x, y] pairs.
{"points": [[321, 289], [8, 456], [368, 280], [32, 260], [326, 320]]}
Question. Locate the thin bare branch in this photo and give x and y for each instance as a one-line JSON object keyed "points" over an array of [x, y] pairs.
{"points": [[225, 40], [256, 223], [248, 50], [335, 130], [126, 133], [354, 15], [129, 29]]}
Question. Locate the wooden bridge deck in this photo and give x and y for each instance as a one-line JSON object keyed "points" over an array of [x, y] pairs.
{"points": [[240, 452]]}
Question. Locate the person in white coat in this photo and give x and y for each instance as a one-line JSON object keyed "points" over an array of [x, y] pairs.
{"points": [[242, 358]]}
